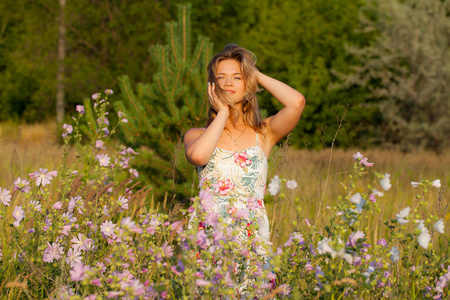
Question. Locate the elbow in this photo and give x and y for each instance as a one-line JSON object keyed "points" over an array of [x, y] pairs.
{"points": [[197, 159], [299, 102]]}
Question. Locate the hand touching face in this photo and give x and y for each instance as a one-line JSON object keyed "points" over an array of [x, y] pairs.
{"points": [[230, 79]]}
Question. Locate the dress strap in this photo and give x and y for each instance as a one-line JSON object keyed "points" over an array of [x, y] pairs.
{"points": [[256, 138]]}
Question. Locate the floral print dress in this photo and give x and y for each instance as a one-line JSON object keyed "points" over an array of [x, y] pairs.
{"points": [[237, 182]]}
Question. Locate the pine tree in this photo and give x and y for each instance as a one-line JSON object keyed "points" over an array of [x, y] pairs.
{"points": [[159, 113]]}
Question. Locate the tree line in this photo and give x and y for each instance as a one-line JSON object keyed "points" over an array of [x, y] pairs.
{"points": [[380, 66]]}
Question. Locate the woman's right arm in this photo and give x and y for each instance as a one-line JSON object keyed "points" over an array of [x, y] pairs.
{"points": [[199, 144]]}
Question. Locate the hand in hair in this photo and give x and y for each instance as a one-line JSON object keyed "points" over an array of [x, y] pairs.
{"points": [[215, 101]]}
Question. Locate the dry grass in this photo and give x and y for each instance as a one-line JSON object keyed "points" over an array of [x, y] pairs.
{"points": [[24, 148], [309, 169]]}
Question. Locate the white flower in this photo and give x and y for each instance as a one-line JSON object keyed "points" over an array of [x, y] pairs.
{"points": [[424, 238], [291, 184], [274, 185], [323, 247], [421, 226], [103, 159], [402, 215], [386, 182], [439, 226], [415, 183], [359, 201], [436, 183], [395, 254], [377, 193]]}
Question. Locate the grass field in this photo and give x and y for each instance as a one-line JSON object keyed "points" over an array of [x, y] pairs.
{"points": [[320, 175]]}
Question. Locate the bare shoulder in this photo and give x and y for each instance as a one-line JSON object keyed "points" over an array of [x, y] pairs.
{"points": [[192, 134]]}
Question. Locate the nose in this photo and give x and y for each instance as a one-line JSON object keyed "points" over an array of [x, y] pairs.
{"points": [[228, 81]]}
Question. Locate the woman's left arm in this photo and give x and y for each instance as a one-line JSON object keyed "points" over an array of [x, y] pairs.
{"points": [[287, 118]]}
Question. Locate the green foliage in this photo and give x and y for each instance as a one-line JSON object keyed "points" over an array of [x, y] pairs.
{"points": [[160, 113], [407, 69]]}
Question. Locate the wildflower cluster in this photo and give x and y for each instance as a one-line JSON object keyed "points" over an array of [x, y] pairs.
{"points": [[84, 232]]}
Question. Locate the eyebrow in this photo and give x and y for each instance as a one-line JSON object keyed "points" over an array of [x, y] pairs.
{"points": [[227, 73]]}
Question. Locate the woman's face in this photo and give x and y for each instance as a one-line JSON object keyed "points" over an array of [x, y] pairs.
{"points": [[230, 79]]}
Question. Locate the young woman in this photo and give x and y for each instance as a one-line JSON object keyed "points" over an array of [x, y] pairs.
{"points": [[231, 152]]}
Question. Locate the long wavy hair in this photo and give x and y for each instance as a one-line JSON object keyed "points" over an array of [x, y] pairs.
{"points": [[247, 60]]}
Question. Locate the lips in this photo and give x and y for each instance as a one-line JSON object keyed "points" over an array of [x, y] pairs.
{"points": [[230, 91]]}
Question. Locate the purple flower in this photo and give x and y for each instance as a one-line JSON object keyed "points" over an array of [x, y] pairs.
{"points": [[5, 197], [53, 251], [80, 109], [103, 159], [134, 172]]}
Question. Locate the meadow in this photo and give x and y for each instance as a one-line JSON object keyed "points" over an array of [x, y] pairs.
{"points": [[338, 232]]}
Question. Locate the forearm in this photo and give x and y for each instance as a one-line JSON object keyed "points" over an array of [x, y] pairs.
{"points": [[287, 95], [200, 150]]}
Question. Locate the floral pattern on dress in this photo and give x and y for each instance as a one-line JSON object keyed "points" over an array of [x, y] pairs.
{"points": [[237, 181]]}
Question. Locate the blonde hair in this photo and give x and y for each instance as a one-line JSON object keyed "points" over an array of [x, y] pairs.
{"points": [[247, 60]]}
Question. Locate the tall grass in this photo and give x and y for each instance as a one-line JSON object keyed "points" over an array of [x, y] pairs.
{"points": [[24, 147]]}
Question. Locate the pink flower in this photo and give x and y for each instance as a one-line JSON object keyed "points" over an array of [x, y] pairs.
{"points": [[206, 200], [201, 282], [22, 185], [107, 228], [57, 205], [223, 187], [99, 144], [95, 96], [73, 257], [43, 177], [109, 92], [254, 204], [362, 160], [168, 251], [80, 109], [123, 202], [68, 128], [103, 159], [53, 251], [241, 159], [5, 197], [18, 213], [241, 214]]}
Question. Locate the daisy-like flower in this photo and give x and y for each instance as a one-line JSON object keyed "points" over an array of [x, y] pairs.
{"points": [[5, 197], [401, 216], [439, 226], [99, 144], [103, 159], [274, 185], [78, 242], [385, 182], [107, 228], [291, 184]]}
